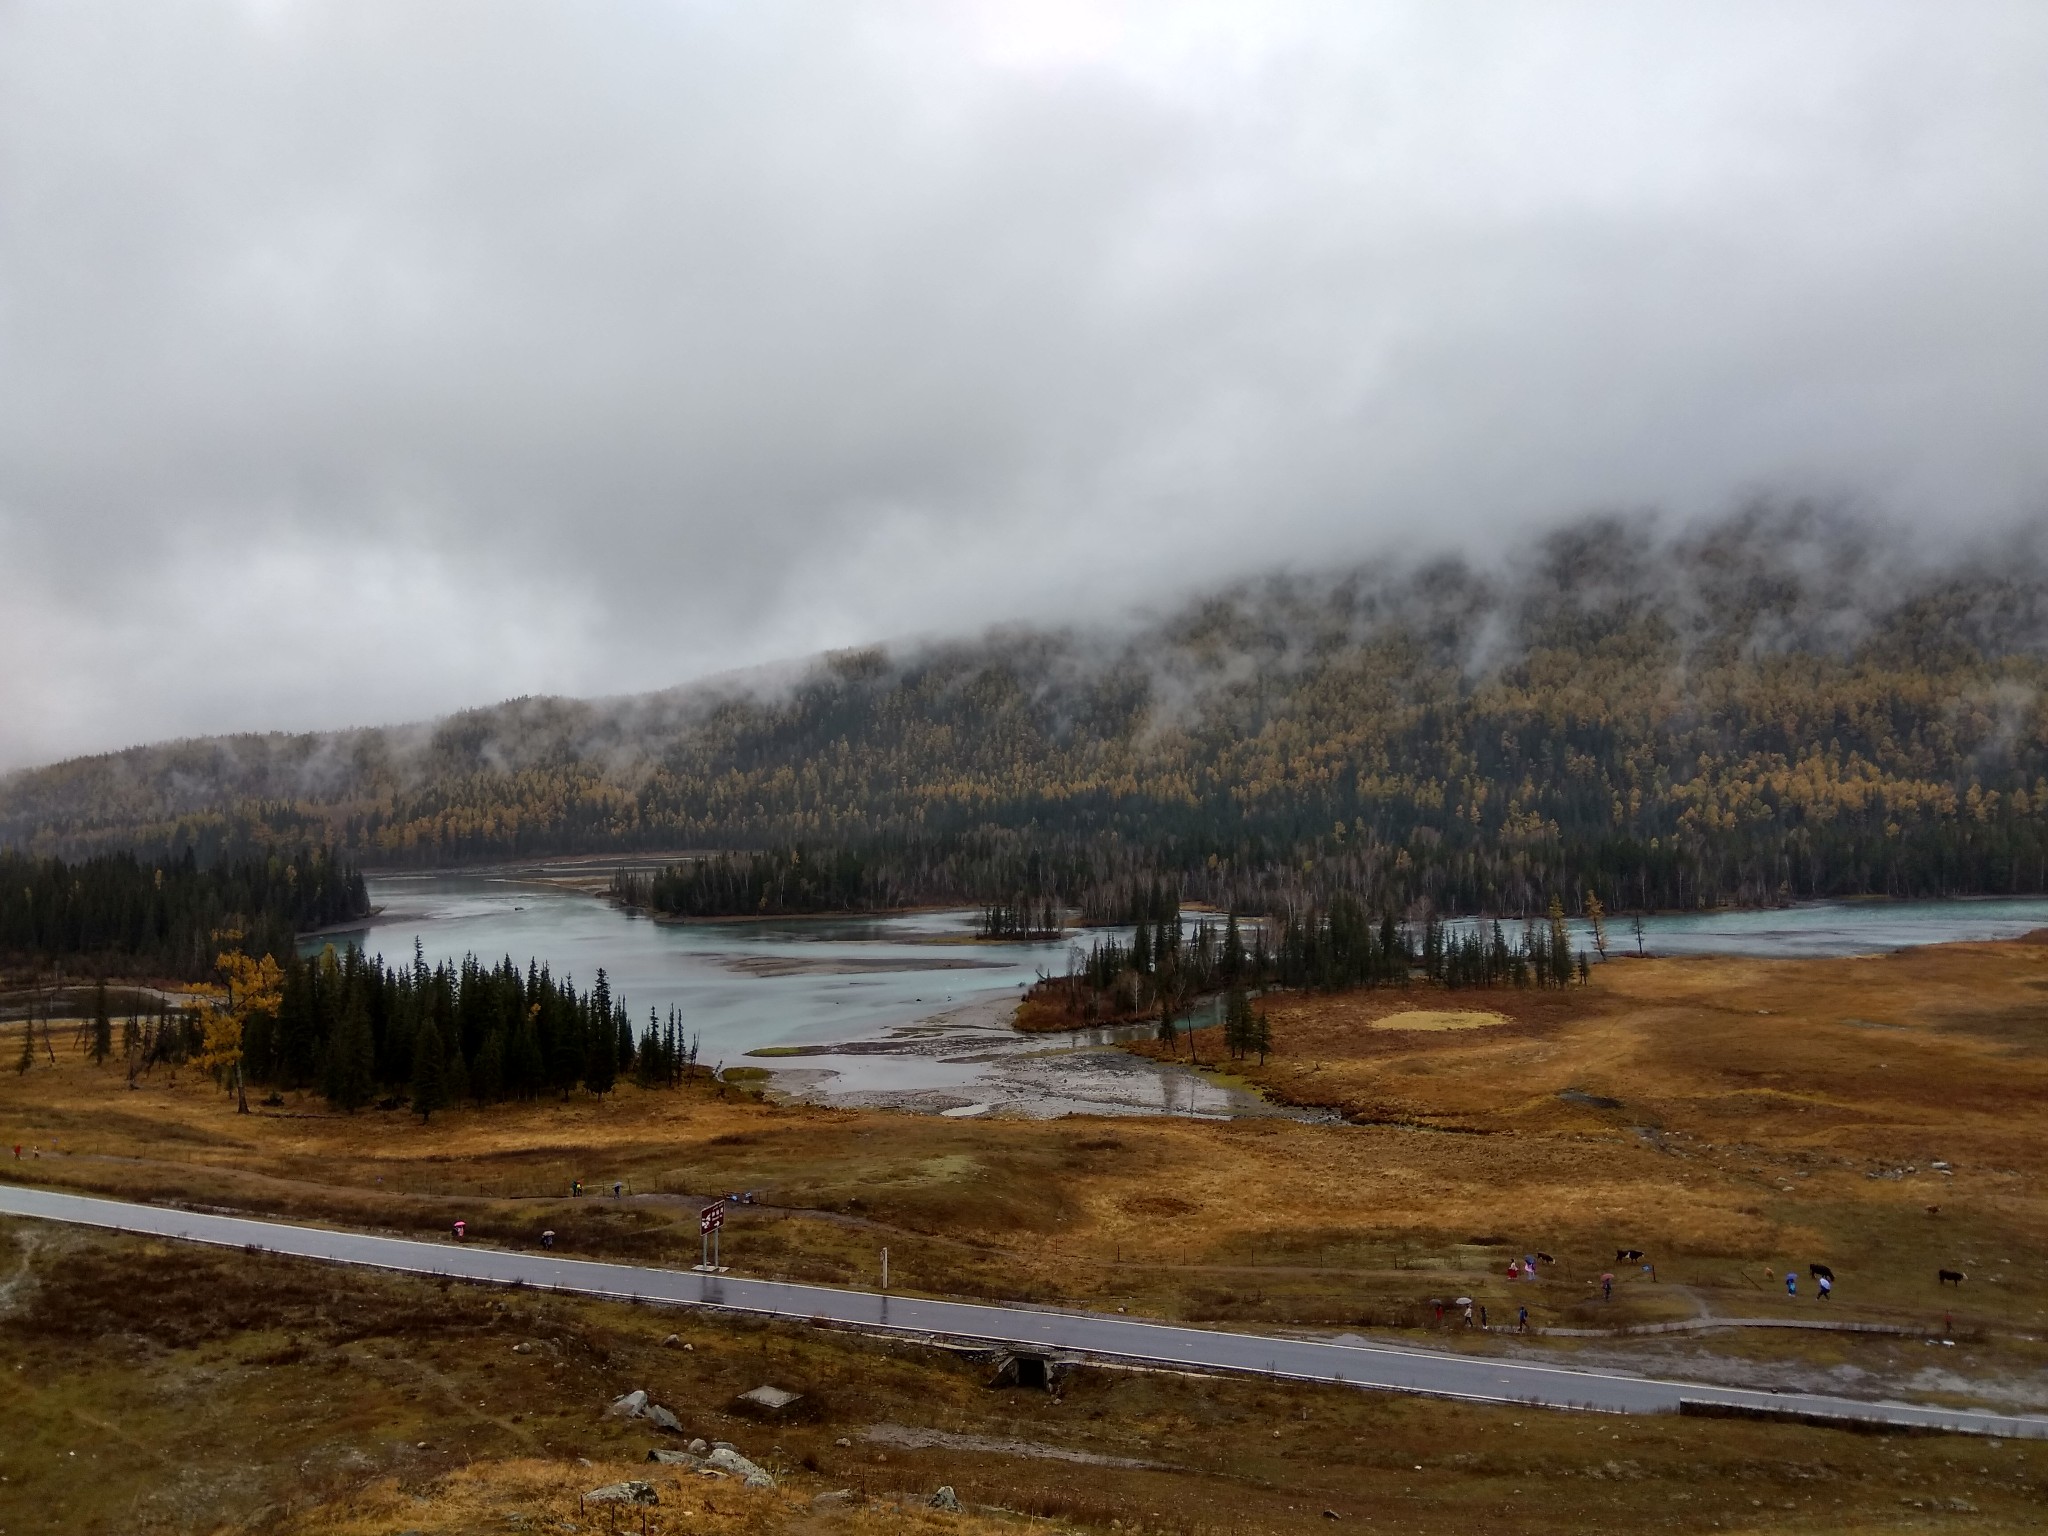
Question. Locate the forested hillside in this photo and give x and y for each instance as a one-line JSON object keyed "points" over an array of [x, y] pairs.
{"points": [[1779, 706]]}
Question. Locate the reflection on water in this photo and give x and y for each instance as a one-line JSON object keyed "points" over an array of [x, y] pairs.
{"points": [[703, 969], [1817, 930], [928, 1010], [916, 1015]]}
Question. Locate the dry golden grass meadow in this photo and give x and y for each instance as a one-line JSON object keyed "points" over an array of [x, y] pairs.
{"points": [[1728, 1117]]}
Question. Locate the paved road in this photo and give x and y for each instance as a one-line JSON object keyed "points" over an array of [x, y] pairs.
{"points": [[1359, 1364]]}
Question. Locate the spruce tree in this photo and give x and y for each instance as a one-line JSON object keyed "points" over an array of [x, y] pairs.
{"points": [[527, 1074], [102, 1027], [487, 1083], [352, 1059], [601, 1063], [1233, 961], [455, 1082], [429, 1070]]}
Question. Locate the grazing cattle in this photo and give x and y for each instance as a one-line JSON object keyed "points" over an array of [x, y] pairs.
{"points": [[1950, 1277], [1546, 1258], [1820, 1272], [1934, 1210], [1628, 1255]]}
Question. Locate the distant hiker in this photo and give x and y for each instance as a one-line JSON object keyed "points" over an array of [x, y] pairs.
{"points": [[1528, 1267], [1468, 1314], [17, 1151], [576, 1189], [1482, 1317], [617, 1187], [547, 1238], [461, 1230], [1791, 1282], [1826, 1286], [1439, 1314], [1522, 1322]]}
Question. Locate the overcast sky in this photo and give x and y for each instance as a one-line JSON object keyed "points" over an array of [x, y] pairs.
{"points": [[362, 361]]}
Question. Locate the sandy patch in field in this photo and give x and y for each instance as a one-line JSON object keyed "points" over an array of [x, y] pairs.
{"points": [[1441, 1018]]}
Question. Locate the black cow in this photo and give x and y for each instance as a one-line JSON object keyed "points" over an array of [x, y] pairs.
{"points": [[1628, 1255], [1950, 1277], [1546, 1258], [1821, 1272]]}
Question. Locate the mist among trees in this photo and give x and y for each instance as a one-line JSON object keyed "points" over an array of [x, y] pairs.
{"points": [[1782, 706]]}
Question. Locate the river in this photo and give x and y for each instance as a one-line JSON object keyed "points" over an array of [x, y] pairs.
{"points": [[909, 1011]]}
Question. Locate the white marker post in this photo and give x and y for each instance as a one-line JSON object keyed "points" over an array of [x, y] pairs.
{"points": [[885, 1269]]}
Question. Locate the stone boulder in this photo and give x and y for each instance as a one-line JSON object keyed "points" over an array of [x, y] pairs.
{"points": [[731, 1461], [631, 1406], [771, 1404], [946, 1499], [630, 1492]]}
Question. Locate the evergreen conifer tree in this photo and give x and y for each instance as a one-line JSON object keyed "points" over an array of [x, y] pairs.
{"points": [[102, 1027], [429, 1070], [601, 1064], [352, 1059], [527, 1073], [487, 1083]]}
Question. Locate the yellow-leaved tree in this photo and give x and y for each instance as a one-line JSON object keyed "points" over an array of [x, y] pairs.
{"points": [[251, 987]]}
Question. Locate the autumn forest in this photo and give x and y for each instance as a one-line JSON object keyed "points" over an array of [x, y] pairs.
{"points": [[1776, 707]]}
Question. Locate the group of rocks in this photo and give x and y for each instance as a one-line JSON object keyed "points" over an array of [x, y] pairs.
{"points": [[716, 1458]]}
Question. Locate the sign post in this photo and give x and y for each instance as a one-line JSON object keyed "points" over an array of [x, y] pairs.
{"points": [[710, 1223]]}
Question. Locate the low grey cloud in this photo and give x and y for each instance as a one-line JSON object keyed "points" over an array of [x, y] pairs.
{"points": [[360, 361]]}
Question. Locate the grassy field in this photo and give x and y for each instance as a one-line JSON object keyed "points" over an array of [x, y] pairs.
{"points": [[1728, 1117], [248, 1392]]}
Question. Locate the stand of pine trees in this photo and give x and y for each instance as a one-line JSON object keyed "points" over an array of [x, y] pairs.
{"points": [[360, 1031], [116, 915], [1165, 968]]}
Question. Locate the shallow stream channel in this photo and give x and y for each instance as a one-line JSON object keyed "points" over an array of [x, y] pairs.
{"points": [[912, 1011]]}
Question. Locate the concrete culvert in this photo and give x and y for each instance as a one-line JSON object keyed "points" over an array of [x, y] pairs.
{"points": [[1020, 1368]]}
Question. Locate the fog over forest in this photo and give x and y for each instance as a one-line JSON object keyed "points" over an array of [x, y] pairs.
{"points": [[367, 362], [1774, 706]]}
